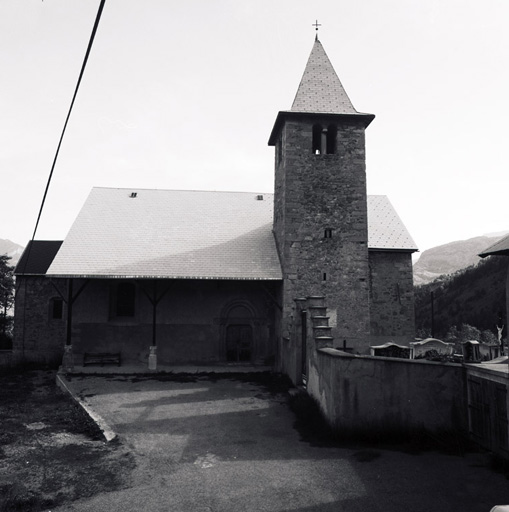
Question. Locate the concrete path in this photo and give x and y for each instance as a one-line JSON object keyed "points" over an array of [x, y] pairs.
{"points": [[228, 445]]}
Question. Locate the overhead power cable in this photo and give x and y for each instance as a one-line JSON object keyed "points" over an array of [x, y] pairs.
{"points": [[92, 36], [30, 245]]}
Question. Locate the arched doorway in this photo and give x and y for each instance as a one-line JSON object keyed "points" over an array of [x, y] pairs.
{"points": [[239, 343]]}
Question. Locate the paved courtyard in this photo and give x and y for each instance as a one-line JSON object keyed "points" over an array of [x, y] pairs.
{"points": [[229, 445]]}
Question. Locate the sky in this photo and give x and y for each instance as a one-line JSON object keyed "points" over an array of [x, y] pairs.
{"points": [[184, 95]]}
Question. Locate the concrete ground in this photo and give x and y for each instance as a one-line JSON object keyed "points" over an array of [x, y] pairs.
{"points": [[229, 445]]}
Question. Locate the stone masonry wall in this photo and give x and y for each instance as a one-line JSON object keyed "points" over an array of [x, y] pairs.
{"points": [[192, 319], [392, 311], [317, 192], [38, 337], [378, 395]]}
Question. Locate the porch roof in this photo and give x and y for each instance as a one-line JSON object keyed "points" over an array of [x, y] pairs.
{"points": [[171, 234]]}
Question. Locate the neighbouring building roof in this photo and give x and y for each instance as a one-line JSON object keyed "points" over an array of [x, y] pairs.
{"points": [[37, 257], [500, 248], [171, 234], [320, 90], [386, 230], [191, 235]]}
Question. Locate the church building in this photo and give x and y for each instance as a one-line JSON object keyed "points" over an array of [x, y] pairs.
{"points": [[231, 277]]}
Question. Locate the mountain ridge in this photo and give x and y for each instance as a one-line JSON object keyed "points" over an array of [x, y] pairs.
{"points": [[448, 258], [11, 249]]}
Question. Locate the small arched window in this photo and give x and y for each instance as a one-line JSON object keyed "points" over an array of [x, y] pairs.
{"points": [[56, 308]]}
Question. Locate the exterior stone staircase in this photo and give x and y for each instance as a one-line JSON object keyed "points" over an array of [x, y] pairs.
{"points": [[320, 321]]}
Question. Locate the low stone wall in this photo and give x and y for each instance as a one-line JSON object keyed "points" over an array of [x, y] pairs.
{"points": [[488, 405], [6, 359], [366, 393]]}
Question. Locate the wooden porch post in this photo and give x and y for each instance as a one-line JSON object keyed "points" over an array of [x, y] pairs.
{"points": [[152, 358], [154, 313], [68, 359]]}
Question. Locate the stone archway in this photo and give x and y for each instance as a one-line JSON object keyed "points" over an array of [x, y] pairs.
{"points": [[238, 321]]}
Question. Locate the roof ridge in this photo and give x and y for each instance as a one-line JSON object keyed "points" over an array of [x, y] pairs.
{"points": [[182, 190]]}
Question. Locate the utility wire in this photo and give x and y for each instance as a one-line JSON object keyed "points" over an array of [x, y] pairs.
{"points": [[30, 244], [92, 36]]}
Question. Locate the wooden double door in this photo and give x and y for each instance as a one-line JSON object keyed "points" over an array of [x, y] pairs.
{"points": [[239, 343]]}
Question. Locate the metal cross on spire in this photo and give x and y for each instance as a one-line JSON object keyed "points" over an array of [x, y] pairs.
{"points": [[316, 25]]}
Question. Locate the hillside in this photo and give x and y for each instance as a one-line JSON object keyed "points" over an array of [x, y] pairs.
{"points": [[474, 296], [451, 257], [12, 250]]}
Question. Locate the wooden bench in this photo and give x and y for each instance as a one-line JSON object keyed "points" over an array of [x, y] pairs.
{"points": [[101, 358]]}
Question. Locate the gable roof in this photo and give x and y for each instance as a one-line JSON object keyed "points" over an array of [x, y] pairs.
{"points": [[181, 234], [320, 90], [386, 231], [500, 248], [37, 257], [173, 234]]}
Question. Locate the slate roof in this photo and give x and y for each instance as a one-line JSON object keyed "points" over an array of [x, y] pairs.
{"points": [[320, 90], [191, 235], [386, 230], [171, 234], [500, 248], [37, 257]]}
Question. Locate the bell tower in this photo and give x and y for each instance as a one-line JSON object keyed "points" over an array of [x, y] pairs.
{"points": [[320, 203]]}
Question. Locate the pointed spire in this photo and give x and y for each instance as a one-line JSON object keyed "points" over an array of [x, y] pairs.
{"points": [[320, 90]]}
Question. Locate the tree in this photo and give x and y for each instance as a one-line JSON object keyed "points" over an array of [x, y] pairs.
{"points": [[488, 337], [453, 335], [469, 333], [6, 301]]}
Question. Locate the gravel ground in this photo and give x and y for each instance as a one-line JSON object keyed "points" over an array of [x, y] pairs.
{"points": [[51, 453]]}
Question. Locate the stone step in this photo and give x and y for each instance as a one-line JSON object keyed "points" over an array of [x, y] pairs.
{"points": [[322, 330], [319, 321], [316, 300], [324, 341], [317, 310]]}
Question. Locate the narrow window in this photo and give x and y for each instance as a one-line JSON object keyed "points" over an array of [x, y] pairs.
{"points": [[56, 309], [280, 149], [317, 139], [324, 276], [125, 296], [331, 139], [327, 233]]}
